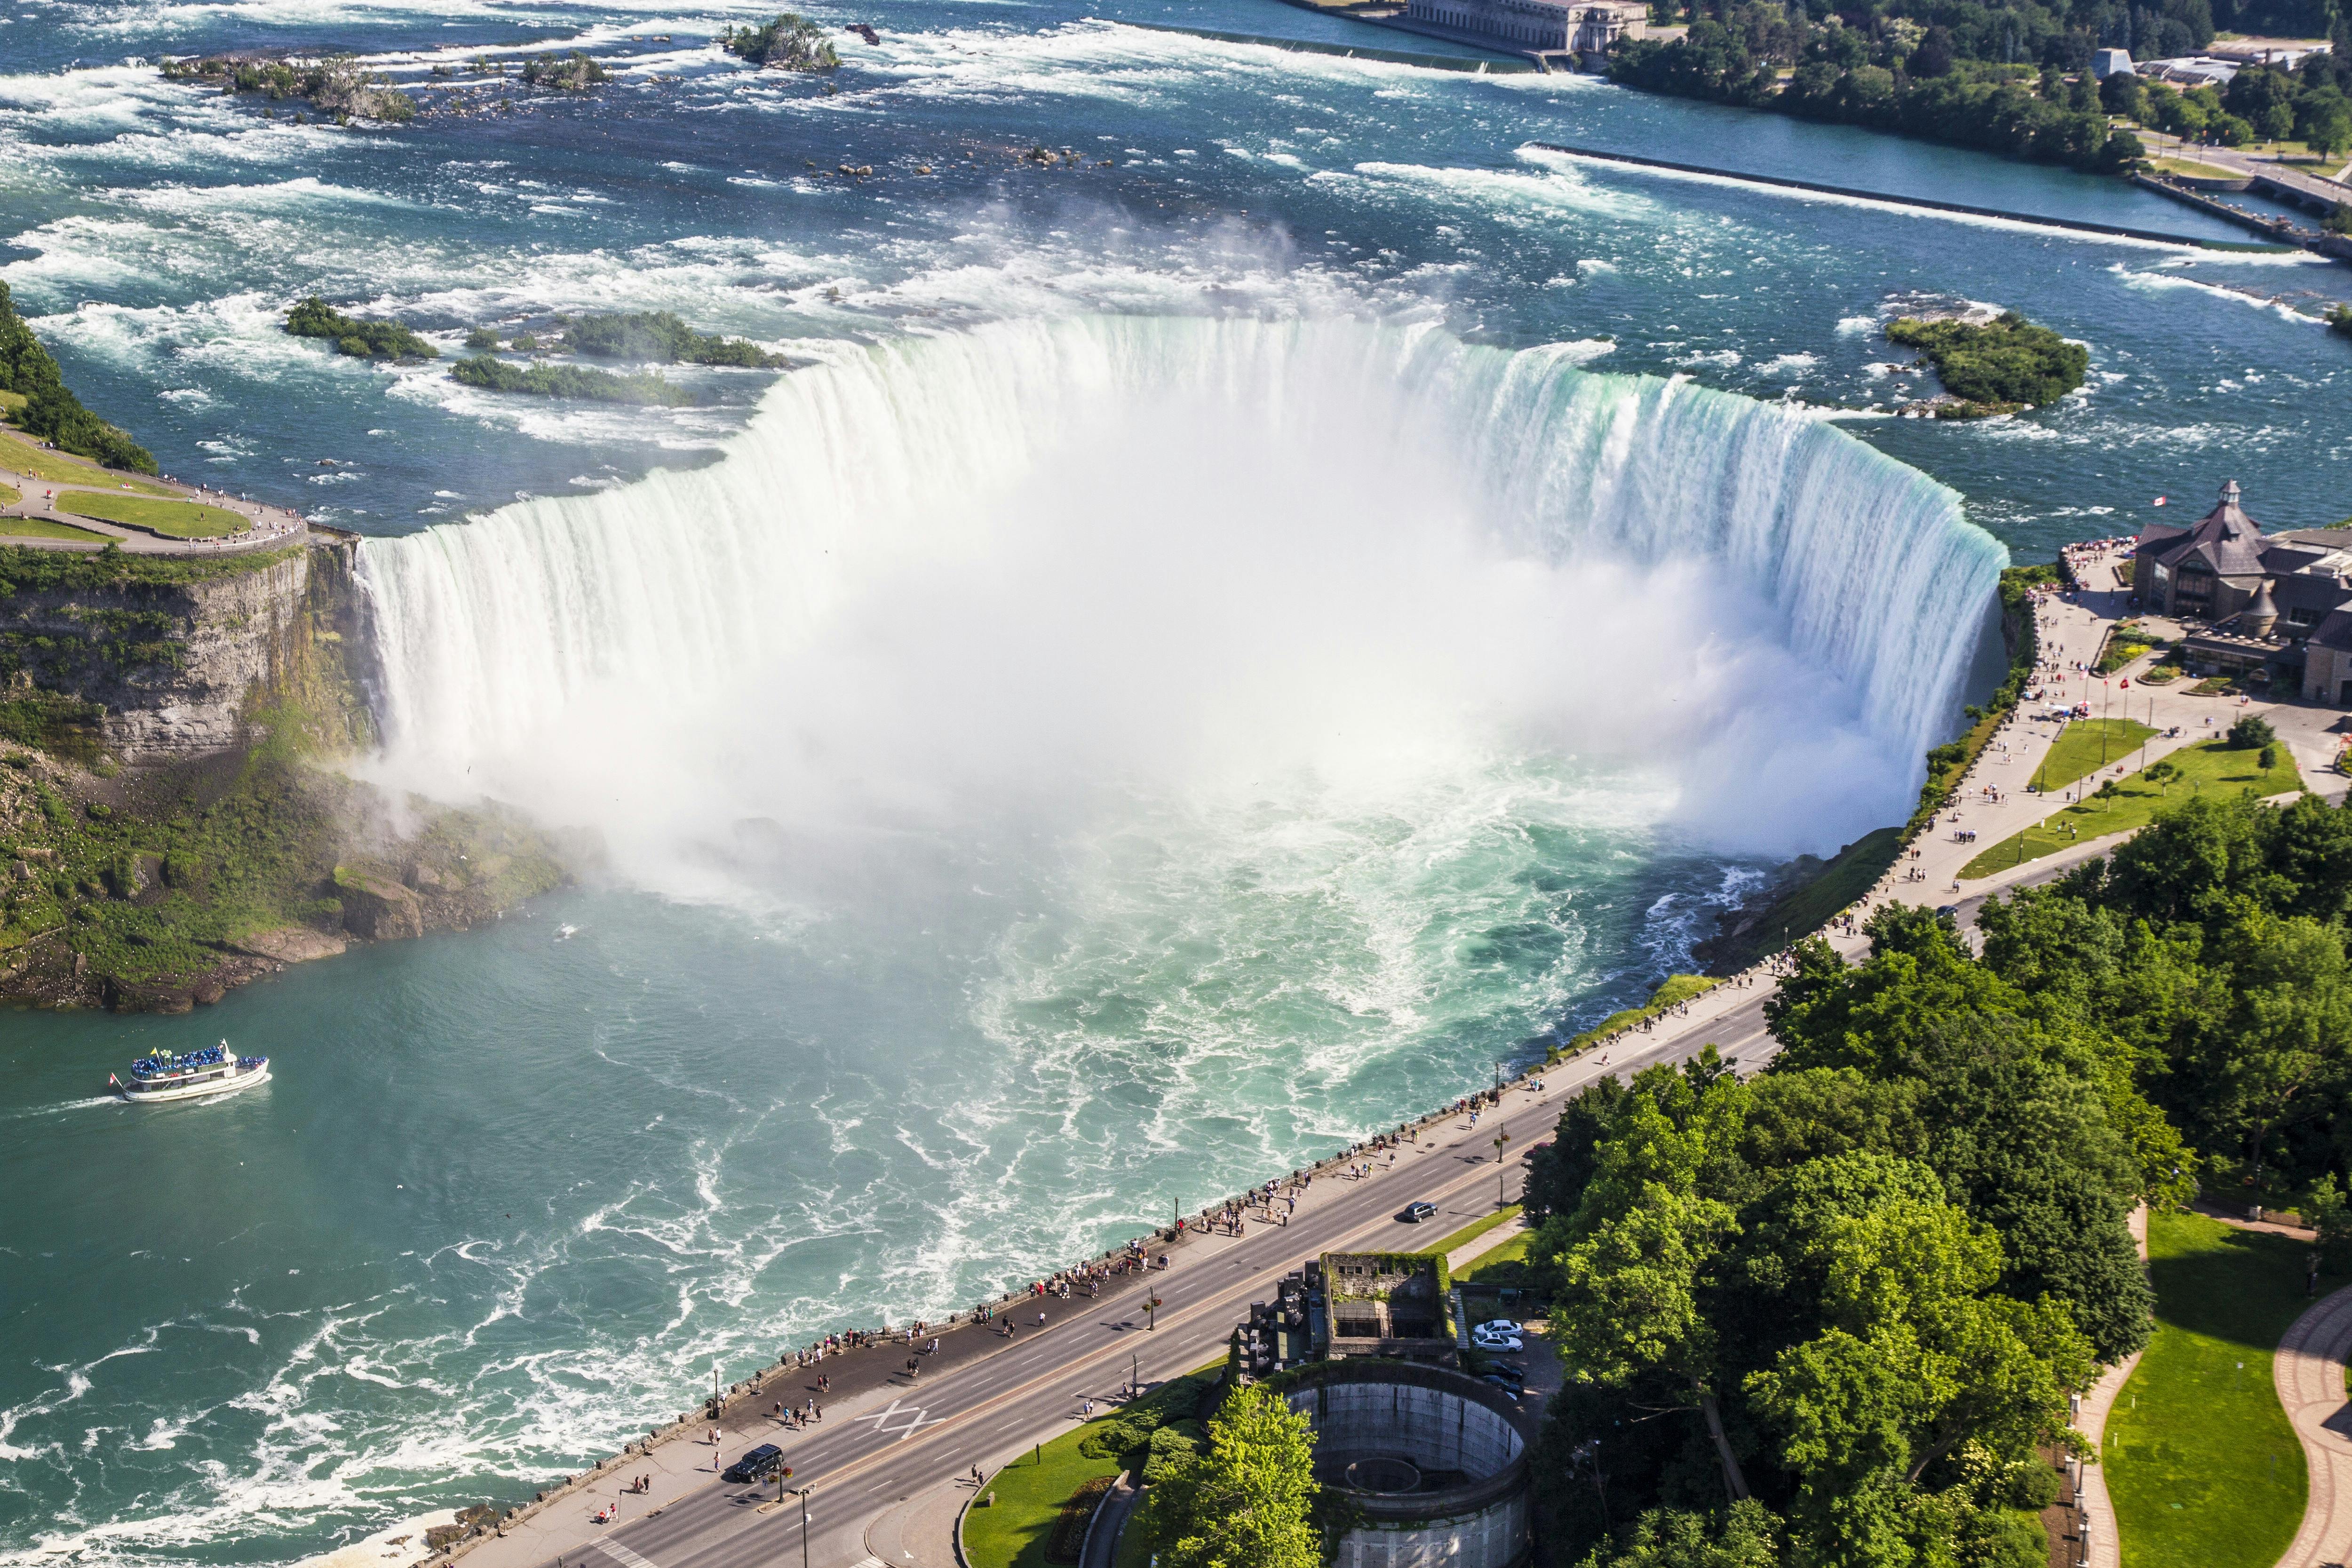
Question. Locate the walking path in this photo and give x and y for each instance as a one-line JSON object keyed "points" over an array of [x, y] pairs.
{"points": [[2095, 1516], [2309, 1372], [268, 527]]}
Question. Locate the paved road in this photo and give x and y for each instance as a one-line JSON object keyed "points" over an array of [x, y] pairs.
{"points": [[860, 1464]]}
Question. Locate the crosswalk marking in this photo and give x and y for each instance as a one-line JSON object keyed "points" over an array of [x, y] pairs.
{"points": [[622, 1554]]}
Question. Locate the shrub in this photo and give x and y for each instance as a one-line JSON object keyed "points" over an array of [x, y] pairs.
{"points": [[481, 340], [2251, 731], [361, 339], [791, 42], [659, 336], [569, 381]]}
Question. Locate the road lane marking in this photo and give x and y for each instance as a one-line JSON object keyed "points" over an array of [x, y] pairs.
{"points": [[622, 1554], [1219, 1300]]}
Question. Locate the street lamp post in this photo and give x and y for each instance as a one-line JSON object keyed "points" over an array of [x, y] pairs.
{"points": [[1501, 1138], [802, 1493]]}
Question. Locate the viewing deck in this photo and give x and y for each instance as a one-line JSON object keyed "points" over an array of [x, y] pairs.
{"points": [[51, 500]]}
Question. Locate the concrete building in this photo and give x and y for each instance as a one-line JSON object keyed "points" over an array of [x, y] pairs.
{"points": [[1433, 1464], [1385, 1304], [1587, 29], [2252, 602]]}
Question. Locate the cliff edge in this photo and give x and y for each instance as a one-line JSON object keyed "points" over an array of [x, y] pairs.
{"points": [[172, 819]]}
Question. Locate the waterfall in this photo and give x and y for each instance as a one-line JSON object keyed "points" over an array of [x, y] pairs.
{"points": [[1172, 519]]}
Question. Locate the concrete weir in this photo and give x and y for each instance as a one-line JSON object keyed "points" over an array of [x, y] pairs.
{"points": [[1434, 1463]]}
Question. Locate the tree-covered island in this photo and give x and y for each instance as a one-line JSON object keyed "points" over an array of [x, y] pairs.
{"points": [[360, 337], [2000, 366]]}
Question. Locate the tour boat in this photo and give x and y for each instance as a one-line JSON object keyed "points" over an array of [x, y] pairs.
{"points": [[215, 1070]]}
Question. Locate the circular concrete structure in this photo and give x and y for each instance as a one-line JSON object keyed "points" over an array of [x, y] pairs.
{"points": [[1435, 1463]]}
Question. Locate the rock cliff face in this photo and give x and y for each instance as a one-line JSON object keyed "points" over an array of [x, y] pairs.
{"points": [[154, 671], [174, 820]]}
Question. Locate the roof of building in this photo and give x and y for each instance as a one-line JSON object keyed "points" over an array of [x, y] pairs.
{"points": [[2309, 591], [2226, 541], [2335, 632], [2262, 604]]}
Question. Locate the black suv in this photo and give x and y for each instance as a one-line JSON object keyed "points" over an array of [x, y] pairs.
{"points": [[757, 1465], [1413, 1214]]}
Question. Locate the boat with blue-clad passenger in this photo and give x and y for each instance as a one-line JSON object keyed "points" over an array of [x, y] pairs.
{"points": [[215, 1070]]}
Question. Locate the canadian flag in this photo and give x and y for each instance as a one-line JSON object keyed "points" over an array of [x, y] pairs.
{"points": [[2157, 501]]}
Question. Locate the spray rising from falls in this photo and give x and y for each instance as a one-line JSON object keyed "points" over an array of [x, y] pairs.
{"points": [[1040, 570]]}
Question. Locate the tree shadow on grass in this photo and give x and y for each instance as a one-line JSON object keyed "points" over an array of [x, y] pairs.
{"points": [[2241, 1286]]}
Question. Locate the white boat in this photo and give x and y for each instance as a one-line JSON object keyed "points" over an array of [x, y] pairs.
{"points": [[216, 1071]]}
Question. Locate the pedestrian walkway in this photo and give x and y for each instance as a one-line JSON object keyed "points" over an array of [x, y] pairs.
{"points": [[2309, 1371], [269, 527], [2097, 1510]]}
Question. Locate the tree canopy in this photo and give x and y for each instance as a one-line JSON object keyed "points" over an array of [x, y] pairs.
{"points": [[1828, 1315], [1246, 1499], [51, 410]]}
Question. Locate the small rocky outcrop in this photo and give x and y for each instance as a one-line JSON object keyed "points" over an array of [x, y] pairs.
{"points": [[376, 910], [292, 945]]}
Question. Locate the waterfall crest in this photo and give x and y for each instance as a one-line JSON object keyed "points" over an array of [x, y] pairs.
{"points": [[1205, 463]]}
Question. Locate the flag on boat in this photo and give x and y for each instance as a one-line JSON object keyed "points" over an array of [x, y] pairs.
{"points": [[112, 1081], [2157, 501]]}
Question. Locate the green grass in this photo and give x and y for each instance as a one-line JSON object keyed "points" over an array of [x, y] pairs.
{"points": [[173, 519], [1806, 909], [22, 456], [1490, 1268], [42, 527], [9, 497], [2195, 170], [1031, 1490], [1474, 1229], [2085, 746], [1677, 988], [2134, 803], [55, 571], [2203, 1467]]}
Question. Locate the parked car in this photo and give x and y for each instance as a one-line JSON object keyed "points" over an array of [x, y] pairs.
{"points": [[757, 1465], [1481, 1339], [1506, 1385], [1413, 1214], [1498, 1326]]}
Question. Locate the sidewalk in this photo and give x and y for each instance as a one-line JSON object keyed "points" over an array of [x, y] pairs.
{"points": [[2309, 1371], [270, 526]]}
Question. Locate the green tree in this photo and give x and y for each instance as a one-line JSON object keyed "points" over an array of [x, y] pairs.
{"points": [[1247, 1501], [1742, 1537]]}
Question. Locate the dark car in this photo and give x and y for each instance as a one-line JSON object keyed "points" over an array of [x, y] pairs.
{"points": [[1514, 1389], [1413, 1214], [757, 1465]]}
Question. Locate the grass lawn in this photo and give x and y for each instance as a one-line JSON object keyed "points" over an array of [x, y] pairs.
{"points": [[1030, 1493], [2212, 765], [9, 497], [1678, 988], [1031, 1490], [1503, 1259], [2203, 1467], [2197, 171], [2085, 746], [20, 456], [1473, 1231], [177, 519], [43, 527]]}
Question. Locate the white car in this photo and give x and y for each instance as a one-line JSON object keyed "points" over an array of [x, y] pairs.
{"points": [[1481, 1339], [1500, 1326]]}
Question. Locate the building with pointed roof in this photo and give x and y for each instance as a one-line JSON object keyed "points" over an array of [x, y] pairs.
{"points": [[2252, 602]]}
